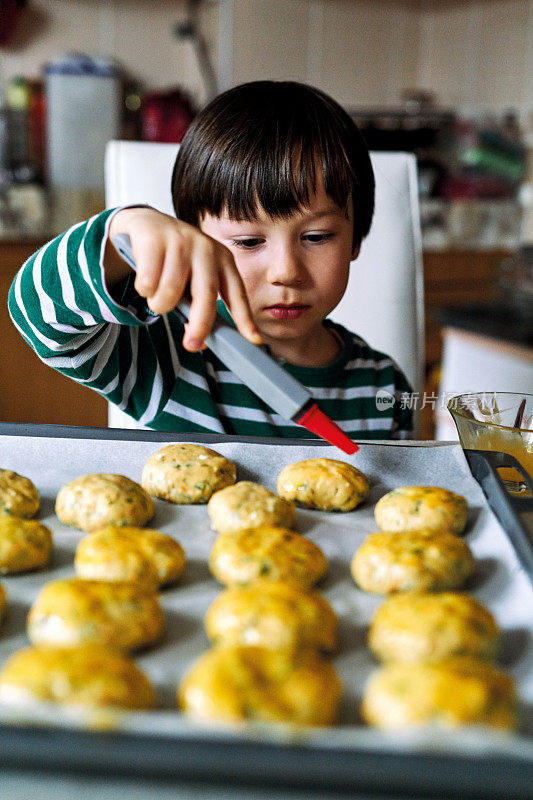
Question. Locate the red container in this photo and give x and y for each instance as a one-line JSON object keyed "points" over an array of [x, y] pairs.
{"points": [[166, 116]]}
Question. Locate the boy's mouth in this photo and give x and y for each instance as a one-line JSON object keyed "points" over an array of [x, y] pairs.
{"points": [[292, 311]]}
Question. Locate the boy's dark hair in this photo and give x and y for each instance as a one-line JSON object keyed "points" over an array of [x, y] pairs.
{"points": [[263, 142]]}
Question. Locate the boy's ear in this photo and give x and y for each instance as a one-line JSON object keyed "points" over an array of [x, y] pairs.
{"points": [[355, 252]]}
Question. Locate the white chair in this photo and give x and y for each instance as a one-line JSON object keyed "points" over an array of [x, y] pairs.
{"points": [[384, 300]]}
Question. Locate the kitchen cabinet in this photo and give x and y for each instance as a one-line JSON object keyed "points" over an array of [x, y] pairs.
{"points": [[29, 390], [451, 278]]}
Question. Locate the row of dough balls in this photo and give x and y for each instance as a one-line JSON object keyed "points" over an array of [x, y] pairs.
{"points": [[189, 473], [25, 544], [418, 547], [270, 640], [83, 630], [193, 474], [437, 647], [183, 474], [270, 631], [437, 653], [91, 674]]}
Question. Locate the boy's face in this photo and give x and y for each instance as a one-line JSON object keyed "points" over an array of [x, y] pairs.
{"points": [[295, 270]]}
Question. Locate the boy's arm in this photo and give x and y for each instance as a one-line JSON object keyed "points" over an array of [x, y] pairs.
{"points": [[68, 302], [61, 304]]}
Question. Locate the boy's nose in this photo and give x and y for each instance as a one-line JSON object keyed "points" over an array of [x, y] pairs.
{"points": [[286, 268]]}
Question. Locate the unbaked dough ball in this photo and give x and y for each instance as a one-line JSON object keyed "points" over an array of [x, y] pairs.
{"points": [[411, 507], [73, 611], [419, 561], [275, 553], [187, 473], [18, 495], [88, 675], [432, 627], [450, 694], [272, 614], [235, 684], [94, 501], [249, 505], [116, 553], [25, 544], [323, 483]]}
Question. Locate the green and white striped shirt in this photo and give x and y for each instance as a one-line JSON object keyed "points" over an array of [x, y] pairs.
{"points": [[61, 306]]}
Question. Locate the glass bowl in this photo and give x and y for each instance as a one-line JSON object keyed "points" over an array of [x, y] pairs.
{"points": [[487, 421]]}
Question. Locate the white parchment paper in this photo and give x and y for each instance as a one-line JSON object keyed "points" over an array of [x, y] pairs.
{"points": [[499, 582]]}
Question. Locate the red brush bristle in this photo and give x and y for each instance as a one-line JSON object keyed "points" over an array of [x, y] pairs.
{"points": [[317, 422]]}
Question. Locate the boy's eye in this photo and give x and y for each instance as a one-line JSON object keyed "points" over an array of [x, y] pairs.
{"points": [[247, 243], [317, 238]]}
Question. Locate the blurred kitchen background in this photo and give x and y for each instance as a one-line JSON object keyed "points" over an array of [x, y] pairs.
{"points": [[449, 80]]}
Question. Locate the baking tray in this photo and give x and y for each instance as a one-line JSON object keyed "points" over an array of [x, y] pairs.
{"points": [[513, 509], [166, 746]]}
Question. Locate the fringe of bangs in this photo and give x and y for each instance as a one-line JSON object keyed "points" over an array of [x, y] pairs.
{"points": [[280, 185]]}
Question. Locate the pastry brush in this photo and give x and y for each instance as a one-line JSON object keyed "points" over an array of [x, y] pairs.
{"points": [[257, 370]]}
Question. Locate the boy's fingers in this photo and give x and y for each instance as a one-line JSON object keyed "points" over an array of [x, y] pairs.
{"points": [[204, 294], [163, 269], [172, 280], [149, 261], [234, 296]]}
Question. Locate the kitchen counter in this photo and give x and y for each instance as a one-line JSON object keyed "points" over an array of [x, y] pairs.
{"points": [[481, 355], [495, 320]]}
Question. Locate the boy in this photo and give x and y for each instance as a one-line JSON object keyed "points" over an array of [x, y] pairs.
{"points": [[273, 191]]}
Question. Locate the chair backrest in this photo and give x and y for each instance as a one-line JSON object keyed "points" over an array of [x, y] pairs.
{"points": [[384, 300]]}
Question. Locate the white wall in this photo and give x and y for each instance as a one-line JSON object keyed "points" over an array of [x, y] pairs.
{"points": [[137, 33], [360, 52], [363, 52], [478, 53]]}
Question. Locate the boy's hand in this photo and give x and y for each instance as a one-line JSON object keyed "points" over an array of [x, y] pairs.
{"points": [[169, 255]]}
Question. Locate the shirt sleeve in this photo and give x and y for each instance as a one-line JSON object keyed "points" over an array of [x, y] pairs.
{"points": [[60, 304]]}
